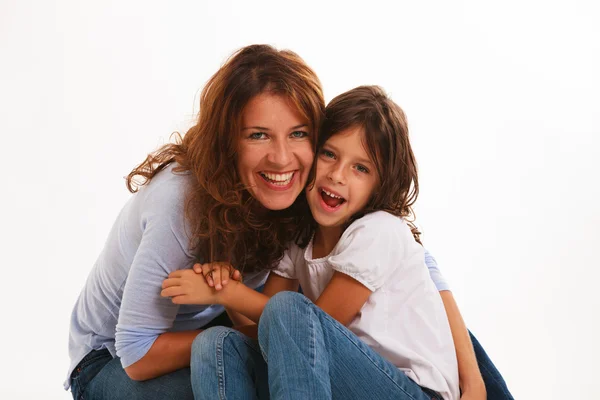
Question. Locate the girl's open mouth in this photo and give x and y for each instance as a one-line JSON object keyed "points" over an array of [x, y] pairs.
{"points": [[331, 200]]}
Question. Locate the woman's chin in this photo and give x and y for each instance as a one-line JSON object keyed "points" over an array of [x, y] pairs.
{"points": [[277, 201]]}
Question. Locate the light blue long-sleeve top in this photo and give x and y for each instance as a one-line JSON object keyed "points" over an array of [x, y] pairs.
{"points": [[120, 307]]}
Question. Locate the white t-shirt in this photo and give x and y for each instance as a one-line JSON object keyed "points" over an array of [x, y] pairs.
{"points": [[404, 318]]}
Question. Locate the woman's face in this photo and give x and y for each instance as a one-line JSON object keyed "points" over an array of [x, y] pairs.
{"points": [[275, 151]]}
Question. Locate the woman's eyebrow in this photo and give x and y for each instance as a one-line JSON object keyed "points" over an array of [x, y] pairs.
{"points": [[299, 126], [262, 128]]}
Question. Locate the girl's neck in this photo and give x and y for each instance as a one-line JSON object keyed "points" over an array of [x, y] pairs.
{"points": [[325, 240]]}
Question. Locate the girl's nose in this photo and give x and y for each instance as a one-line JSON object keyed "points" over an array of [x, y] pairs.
{"points": [[336, 174]]}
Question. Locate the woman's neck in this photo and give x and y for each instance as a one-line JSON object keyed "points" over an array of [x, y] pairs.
{"points": [[325, 240]]}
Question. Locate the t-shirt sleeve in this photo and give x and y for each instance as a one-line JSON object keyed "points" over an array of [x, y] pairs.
{"points": [[370, 249], [287, 265], [434, 272], [164, 248]]}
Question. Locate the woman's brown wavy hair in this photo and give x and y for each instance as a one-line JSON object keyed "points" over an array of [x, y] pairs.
{"points": [[224, 221], [387, 142]]}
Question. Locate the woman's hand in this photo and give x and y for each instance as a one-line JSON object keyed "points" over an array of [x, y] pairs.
{"points": [[187, 287], [217, 274], [477, 392]]}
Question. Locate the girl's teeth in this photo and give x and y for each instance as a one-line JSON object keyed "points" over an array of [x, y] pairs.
{"points": [[330, 194]]}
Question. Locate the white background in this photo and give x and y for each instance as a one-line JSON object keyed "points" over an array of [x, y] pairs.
{"points": [[503, 101]]}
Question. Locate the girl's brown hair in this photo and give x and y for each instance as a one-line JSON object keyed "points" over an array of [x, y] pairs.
{"points": [[226, 222], [387, 142]]}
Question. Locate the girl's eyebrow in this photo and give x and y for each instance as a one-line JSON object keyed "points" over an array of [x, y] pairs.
{"points": [[360, 160], [262, 128]]}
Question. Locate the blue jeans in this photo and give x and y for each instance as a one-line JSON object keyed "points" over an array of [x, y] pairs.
{"points": [[312, 356], [494, 383], [227, 364], [99, 376]]}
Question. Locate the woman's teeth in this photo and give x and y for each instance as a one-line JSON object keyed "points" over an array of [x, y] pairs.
{"points": [[278, 179]]}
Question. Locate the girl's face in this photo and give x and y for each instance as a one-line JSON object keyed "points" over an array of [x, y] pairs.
{"points": [[275, 151], [345, 179]]}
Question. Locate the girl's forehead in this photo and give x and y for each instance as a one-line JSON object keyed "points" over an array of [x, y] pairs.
{"points": [[351, 141]]}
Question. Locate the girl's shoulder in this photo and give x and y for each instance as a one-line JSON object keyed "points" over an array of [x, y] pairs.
{"points": [[380, 229], [377, 221]]}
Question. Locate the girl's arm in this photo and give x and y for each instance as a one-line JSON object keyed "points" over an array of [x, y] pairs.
{"points": [[188, 287], [250, 303], [343, 297]]}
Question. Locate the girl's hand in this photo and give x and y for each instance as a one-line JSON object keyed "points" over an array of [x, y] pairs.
{"points": [[187, 287], [217, 274]]}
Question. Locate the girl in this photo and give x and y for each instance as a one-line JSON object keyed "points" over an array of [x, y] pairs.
{"points": [[359, 264]]}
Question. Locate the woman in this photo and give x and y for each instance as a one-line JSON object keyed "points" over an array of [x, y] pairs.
{"points": [[228, 191], [191, 205]]}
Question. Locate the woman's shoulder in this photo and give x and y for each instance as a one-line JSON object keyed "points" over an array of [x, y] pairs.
{"points": [[167, 186]]}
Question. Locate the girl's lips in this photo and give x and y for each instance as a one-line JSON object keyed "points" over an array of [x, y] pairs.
{"points": [[326, 207], [275, 187]]}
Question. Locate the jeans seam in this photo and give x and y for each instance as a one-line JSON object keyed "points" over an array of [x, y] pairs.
{"points": [[313, 344], [491, 374], [220, 369], [85, 362]]}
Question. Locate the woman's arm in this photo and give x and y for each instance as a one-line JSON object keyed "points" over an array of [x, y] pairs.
{"points": [[171, 351], [471, 382]]}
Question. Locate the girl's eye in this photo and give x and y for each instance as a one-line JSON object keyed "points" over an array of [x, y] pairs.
{"points": [[299, 134], [257, 135], [362, 168], [327, 154]]}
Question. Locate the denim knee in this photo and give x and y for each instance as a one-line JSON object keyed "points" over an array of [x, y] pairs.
{"points": [[282, 307], [282, 304], [206, 343]]}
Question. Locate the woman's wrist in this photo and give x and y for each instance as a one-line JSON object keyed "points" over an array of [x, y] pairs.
{"points": [[475, 386]]}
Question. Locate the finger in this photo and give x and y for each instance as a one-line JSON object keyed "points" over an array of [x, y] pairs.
{"points": [[237, 275], [225, 273], [176, 274], [197, 268], [217, 276], [172, 291], [206, 271], [182, 299], [171, 282]]}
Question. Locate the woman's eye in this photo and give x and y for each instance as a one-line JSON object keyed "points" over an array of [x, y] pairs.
{"points": [[362, 168], [257, 135], [299, 134]]}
